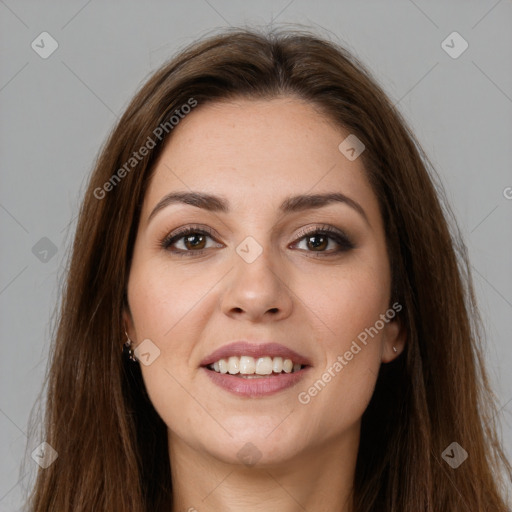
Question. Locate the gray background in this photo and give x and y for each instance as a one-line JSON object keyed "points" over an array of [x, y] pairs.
{"points": [[56, 112]]}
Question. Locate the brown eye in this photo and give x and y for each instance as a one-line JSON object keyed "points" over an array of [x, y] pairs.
{"points": [[194, 241], [317, 242], [189, 241], [326, 241]]}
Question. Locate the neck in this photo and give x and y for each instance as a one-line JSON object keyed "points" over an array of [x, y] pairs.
{"points": [[315, 480]]}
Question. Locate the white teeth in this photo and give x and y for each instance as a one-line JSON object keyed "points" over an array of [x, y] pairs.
{"points": [[223, 366], [277, 364], [233, 365], [247, 365], [264, 366]]}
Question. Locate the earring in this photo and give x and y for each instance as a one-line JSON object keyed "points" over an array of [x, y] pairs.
{"points": [[128, 345], [395, 350]]}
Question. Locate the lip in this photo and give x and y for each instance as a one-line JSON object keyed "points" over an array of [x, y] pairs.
{"points": [[262, 349], [258, 387]]}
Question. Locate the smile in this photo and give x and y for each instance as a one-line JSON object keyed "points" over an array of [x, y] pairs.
{"points": [[250, 367], [255, 369]]}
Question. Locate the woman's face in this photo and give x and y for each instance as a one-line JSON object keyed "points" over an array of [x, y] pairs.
{"points": [[287, 247]]}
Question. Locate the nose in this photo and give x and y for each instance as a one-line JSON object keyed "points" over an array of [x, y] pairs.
{"points": [[257, 291]]}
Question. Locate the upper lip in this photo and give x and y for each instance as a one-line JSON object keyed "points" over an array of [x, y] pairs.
{"points": [[261, 349]]}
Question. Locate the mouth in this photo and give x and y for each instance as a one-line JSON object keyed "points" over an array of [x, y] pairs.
{"points": [[249, 367], [255, 370]]}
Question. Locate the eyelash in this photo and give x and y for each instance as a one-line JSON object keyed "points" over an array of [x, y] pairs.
{"points": [[339, 237], [343, 241], [182, 233]]}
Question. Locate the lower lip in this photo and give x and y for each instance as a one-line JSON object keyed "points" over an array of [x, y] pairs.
{"points": [[258, 387]]}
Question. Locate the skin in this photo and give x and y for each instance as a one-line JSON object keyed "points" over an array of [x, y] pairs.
{"points": [[255, 154]]}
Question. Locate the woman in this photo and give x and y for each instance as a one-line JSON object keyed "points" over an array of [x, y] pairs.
{"points": [[263, 239]]}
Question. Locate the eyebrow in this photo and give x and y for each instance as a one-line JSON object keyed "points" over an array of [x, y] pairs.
{"points": [[289, 205]]}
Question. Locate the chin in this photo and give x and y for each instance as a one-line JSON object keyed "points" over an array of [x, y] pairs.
{"points": [[253, 454], [252, 447]]}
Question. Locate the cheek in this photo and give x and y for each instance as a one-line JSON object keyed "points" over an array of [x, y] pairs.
{"points": [[346, 305], [344, 302], [163, 298], [170, 308]]}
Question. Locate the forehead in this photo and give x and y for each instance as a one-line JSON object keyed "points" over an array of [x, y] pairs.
{"points": [[256, 152]]}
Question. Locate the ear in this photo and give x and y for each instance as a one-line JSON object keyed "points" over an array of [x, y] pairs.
{"points": [[128, 323], [395, 335]]}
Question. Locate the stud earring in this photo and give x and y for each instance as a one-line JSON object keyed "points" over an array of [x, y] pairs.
{"points": [[129, 349], [395, 350]]}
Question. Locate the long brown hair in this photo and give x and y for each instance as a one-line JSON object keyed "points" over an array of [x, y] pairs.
{"points": [[111, 443]]}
